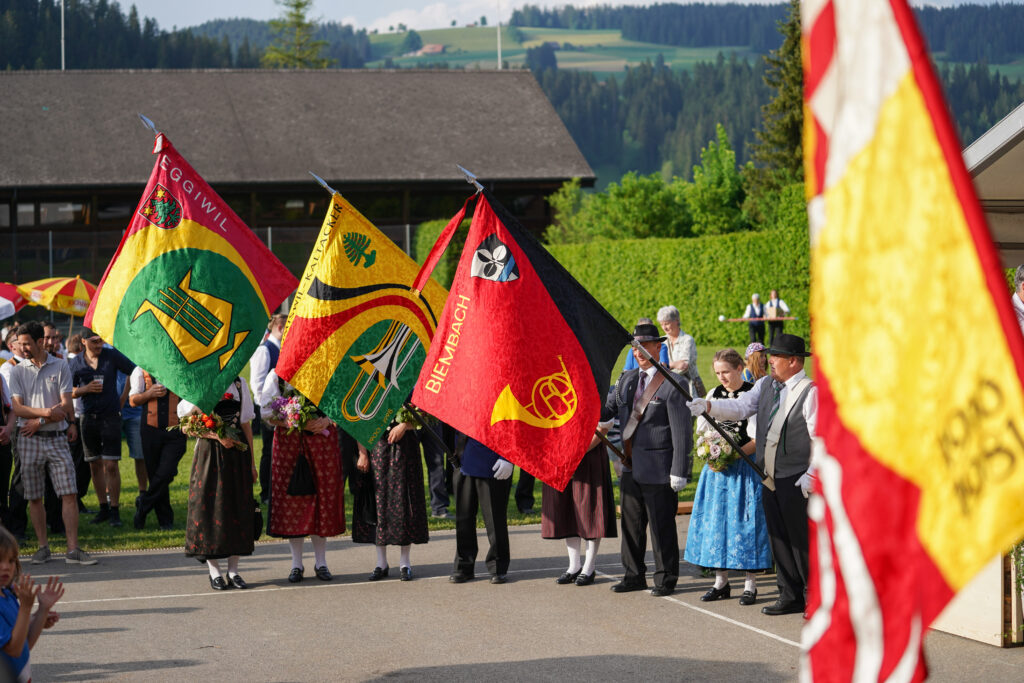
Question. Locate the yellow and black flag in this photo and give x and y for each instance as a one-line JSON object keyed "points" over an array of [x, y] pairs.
{"points": [[358, 334]]}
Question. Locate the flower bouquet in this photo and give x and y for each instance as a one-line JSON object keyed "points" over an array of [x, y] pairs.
{"points": [[295, 411], [713, 449], [198, 425]]}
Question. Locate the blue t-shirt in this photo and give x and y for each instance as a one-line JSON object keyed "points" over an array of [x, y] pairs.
{"points": [[631, 359], [128, 412], [110, 361], [18, 666]]}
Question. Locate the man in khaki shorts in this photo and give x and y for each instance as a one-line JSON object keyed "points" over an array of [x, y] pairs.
{"points": [[41, 398]]}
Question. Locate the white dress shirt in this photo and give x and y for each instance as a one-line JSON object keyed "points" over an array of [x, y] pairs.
{"points": [[259, 366], [746, 405], [247, 412]]}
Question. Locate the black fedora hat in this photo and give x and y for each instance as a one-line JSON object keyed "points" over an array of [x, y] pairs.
{"points": [[647, 332], [788, 345]]}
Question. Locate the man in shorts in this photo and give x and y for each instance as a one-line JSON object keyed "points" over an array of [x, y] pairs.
{"points": [[94, 380], [41, 399]]}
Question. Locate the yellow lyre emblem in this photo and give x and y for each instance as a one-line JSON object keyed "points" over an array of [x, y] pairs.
{"points": [[553, 402], [198, 323]]}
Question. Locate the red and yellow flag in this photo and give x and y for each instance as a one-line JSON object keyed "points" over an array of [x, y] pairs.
{"points": [[920, 360]]}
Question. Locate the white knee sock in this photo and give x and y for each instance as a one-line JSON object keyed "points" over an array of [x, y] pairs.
{"points": [[403, 558], [214, 568], [382, 556], [750, 584], [233, 565], [721, 578], [319, 551], [296, 546], [572, 544], [591, 558]]}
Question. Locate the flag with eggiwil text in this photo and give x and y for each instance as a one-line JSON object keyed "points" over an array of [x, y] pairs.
{"points": [[190, 289], [523, 354]]}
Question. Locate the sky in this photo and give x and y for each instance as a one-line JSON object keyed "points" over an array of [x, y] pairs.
{"points": [[379, 14]]}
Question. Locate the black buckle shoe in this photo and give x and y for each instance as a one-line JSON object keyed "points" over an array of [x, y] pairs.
{"points": [[716, 593], [585, 579], [405, 573], [296, 574], [322, 573], [219, 584], [568, 577], [748, 597], [378, 574], [237, 581]]}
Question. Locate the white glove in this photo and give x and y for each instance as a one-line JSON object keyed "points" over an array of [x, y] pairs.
{"points": [[697, 406], [677, 483], [806, 483], [502, 469]]}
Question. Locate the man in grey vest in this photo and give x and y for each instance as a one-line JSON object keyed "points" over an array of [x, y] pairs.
{"points": [[786, 406]]}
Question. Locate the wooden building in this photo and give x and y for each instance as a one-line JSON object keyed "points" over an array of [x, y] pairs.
{"points": [[74, 156]]}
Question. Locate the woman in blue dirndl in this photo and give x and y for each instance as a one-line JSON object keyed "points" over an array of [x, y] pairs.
{"points": [[727, 526]]}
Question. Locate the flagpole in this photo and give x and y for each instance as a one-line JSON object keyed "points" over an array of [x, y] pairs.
{"points": [[414, 411], [471, 178], [323, 183], [609, 444], [711, 421]]}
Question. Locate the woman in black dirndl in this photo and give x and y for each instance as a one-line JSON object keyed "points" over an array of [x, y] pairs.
{"points": [[220, 500]]}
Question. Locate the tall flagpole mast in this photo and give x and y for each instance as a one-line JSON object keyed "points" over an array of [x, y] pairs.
{"points": [[62, 3], [499, 35]]}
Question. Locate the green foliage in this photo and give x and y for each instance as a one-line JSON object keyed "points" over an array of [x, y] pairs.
{"points": [[637, 207], [716, 195], [703, 277], [411, 43], [541, 58], [294, 47]]}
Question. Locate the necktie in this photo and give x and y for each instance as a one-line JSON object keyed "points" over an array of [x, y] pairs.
{"points": [[777, 386], [641, 385]]}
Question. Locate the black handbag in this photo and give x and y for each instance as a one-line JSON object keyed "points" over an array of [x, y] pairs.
{"points": [[302, 482]]}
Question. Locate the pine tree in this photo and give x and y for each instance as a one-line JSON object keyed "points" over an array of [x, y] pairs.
{"points": [[779, 146], [294, 47]]}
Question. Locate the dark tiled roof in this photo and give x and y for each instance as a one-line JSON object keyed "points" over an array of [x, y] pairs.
{"points": [[80, 128]]}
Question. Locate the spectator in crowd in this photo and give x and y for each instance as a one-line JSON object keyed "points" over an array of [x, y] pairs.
{"points": [[584, 511], [398, 496], [657, 437], [51, 340], [775, 308], [41, 397], [14, 357], [755, 313], [7, 430], [51, 501], [131, 419], [682, 350], [307, 496], [727, 526], [786, 406], [756, 362], [16, 517], [162, 447], [220, 520], [1018, 296], [94, 376], [83, 473], [482, 482], [263, 360]]}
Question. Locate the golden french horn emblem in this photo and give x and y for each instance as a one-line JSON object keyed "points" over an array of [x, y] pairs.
{"points": [[553, 402]]}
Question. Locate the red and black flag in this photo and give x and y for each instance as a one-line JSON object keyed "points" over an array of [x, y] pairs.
{"points": [[522, 354]]}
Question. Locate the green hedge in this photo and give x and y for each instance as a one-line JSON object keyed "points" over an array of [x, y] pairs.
{"points": [[704, 277], [426, 234]]}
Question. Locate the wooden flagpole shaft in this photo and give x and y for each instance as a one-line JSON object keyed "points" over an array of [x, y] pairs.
{"points": [[609, 444], [667, 374]]}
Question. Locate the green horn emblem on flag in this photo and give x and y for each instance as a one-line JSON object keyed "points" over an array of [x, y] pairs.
{"points": [[197, 322]]}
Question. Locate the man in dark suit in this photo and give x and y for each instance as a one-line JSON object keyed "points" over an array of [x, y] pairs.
{"points": [[658, 437]]}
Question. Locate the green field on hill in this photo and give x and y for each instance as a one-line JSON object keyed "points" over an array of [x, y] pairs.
{"points": [[603, 52]]}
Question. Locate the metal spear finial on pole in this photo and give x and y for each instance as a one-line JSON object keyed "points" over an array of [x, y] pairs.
{"points": [[323, 183], [471, 178]]}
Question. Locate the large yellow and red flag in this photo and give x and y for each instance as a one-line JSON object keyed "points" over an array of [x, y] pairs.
{"points": [[921, 414]]}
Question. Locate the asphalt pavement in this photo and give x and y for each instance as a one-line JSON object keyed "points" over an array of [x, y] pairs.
{"points": [[152, 615]]}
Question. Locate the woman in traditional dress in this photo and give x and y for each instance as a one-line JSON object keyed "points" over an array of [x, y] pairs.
{"points": [[727, 526], [682, 349], [756, 363], [307, 494], [396, 488], [585, 510], [220, 502]]}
